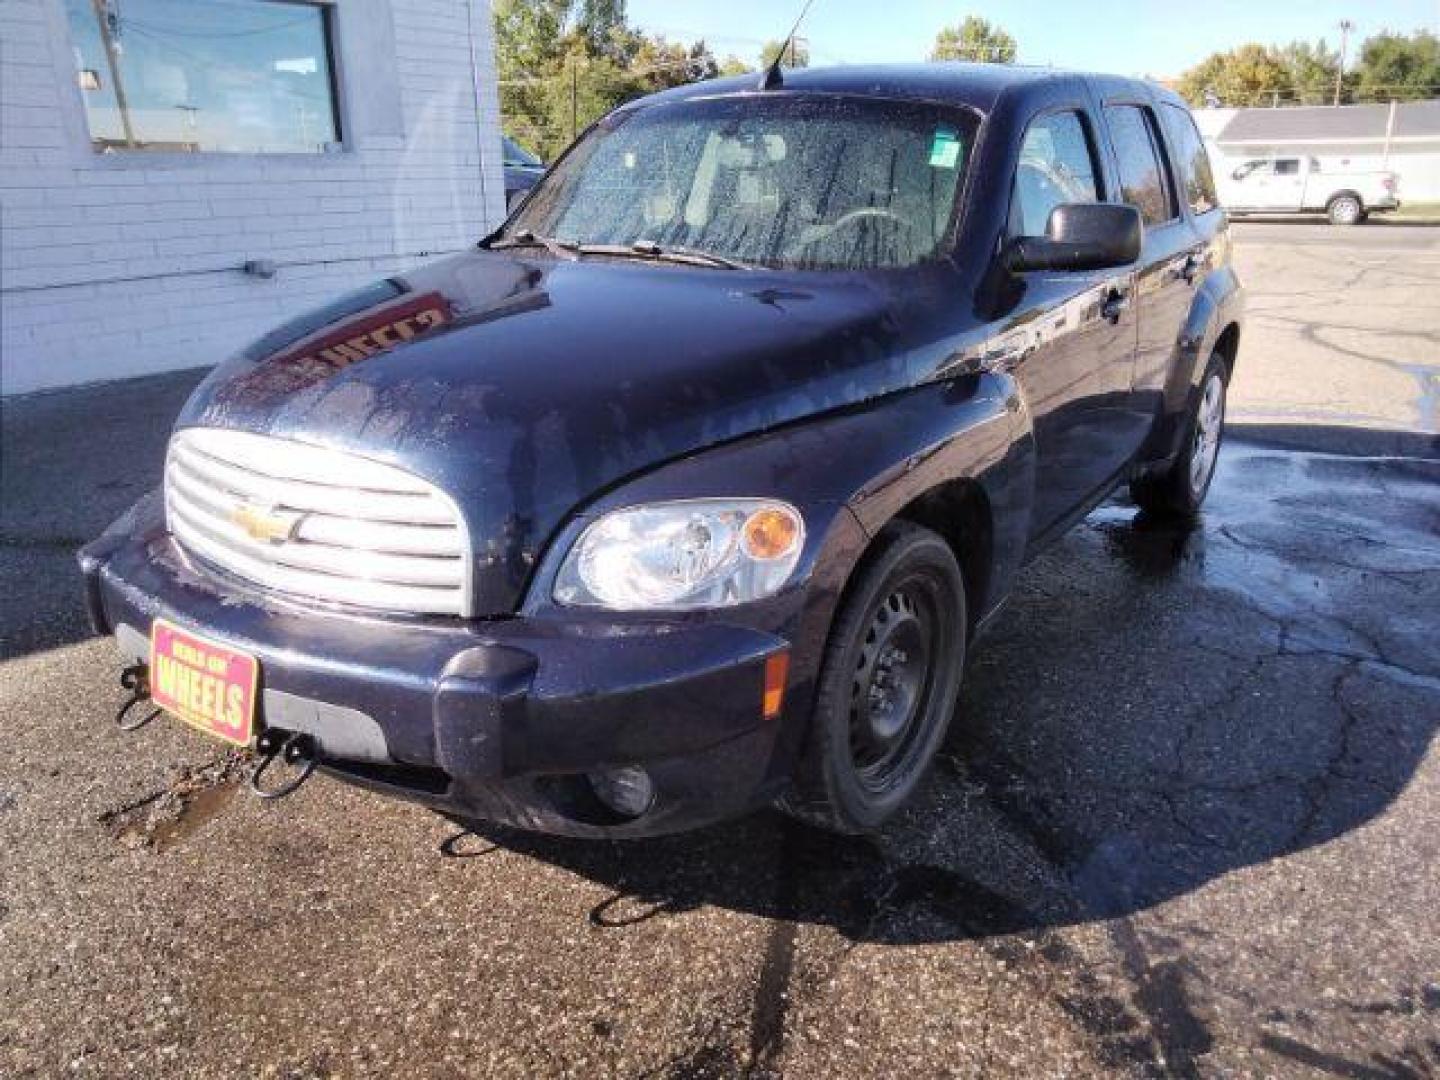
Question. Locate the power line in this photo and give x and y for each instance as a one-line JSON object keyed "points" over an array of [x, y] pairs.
{"points": [[530, 80]]}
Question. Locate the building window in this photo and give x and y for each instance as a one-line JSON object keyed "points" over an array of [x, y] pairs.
{"points": [[230, 76]]}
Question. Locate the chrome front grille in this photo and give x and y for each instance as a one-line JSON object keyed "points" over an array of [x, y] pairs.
{"points": [[316, 523]]}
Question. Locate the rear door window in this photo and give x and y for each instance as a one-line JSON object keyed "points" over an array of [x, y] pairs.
{"points": [[1057, 165], [1143, 183], [1196, 175]]}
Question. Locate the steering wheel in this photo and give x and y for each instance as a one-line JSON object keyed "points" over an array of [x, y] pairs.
{"points": [[864, 213]]}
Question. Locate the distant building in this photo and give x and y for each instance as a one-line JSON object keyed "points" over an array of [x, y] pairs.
{"points": [[1402, 137], [177, 178]]}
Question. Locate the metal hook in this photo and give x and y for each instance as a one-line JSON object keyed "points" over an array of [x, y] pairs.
{"points": [[297, 748], [134, 725], [135, 679]]}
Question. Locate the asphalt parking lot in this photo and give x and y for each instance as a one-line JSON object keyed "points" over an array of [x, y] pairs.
{"points": [[1184, 824]]}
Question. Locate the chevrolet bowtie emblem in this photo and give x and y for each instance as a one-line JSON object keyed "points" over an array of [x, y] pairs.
{"points": [[266, 523]]}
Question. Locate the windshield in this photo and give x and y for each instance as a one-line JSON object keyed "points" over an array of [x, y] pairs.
{"points": [[800, 182]]}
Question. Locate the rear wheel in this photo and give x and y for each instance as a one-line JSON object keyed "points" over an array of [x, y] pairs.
{"points": [[888, 683], [1182, 487], [1345, 210]]}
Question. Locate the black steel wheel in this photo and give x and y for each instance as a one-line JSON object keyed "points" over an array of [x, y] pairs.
{"points": [[892, 677], [888, 684], [1182, 487]]}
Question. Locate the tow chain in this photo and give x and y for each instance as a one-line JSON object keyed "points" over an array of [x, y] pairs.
{"points": [[297, 748]]}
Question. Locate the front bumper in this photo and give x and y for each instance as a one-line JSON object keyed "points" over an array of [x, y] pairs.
{"points": [[500, 720]]}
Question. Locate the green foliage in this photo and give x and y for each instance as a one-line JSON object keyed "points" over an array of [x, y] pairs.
{"points": [[797, 56], [974, 39], [1400, 67], [563, 64], [1249, 75], [1311, 70]]}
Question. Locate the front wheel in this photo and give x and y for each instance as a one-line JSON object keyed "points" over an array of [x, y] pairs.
{"points": [[1182, 487], [888, 684], [1345, 210]]}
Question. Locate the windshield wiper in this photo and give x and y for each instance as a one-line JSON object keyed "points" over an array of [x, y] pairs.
{"points": [[645, 249], [561, 249], [686, 255]]}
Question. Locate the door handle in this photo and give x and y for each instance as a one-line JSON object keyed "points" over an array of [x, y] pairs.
{"points": [[1114, 305]]}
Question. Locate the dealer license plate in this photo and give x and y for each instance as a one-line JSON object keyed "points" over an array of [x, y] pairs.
{"points": [[208, 685]]}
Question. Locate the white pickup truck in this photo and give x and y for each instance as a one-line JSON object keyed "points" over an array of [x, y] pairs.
{"points": [[1292, 185]]}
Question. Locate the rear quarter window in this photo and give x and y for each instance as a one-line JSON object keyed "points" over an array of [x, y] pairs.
{"points": [[1143, 183], [1191, 158]]}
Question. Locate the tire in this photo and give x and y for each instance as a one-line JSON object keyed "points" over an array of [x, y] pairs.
{"points": [[1181, 488], [1345, 210], [888, 683]]}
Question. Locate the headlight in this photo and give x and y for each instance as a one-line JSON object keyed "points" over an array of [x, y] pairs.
{"points": [[675, 556]]}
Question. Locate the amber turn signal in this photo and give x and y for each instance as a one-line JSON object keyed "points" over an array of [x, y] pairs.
{"points": [[777, 671], [771, 533]]}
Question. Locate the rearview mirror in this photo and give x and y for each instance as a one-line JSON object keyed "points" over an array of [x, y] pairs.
{"points": [[1080, 236]]}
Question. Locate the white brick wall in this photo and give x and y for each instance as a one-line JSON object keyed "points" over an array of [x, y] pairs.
{"points": [[125, 264]]}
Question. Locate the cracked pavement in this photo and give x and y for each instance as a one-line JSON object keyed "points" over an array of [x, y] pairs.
{"points": [[1361, 307], [1183, 825]]}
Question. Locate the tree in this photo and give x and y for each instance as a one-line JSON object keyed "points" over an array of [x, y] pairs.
{"points": [[529, 50], [602, 24], [974, 39], [566, 63], [657, 64], [797, 54], [1399, 67], [1248, 75], [1311, 70]]}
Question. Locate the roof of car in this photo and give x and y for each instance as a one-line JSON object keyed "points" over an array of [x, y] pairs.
{"points": [[976, 85]]}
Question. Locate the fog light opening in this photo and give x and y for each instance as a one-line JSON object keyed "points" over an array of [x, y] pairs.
{"points": [[628, 790]]}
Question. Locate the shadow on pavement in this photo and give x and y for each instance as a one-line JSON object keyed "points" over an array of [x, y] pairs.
{"points": [[1160, 705], [71, 461], [1352, 441], [1381, 218]]}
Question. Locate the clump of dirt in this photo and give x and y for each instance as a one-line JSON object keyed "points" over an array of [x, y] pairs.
{"points": [[165, 817]]}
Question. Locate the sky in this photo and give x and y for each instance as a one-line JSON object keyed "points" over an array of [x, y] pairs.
{"points": [[1128, 37]]}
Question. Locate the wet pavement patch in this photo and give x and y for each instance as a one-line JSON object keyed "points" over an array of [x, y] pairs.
{"points": [[161, 819]]}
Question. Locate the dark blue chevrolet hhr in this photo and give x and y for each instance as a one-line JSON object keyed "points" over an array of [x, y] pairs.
{"points": [[689, 489]]}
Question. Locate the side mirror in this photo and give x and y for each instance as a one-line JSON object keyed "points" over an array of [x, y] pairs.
{"points": [[1080, 236]]}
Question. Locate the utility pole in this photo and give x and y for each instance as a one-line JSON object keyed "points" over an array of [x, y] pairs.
{"points": [[574, 99], [1345, 27], [106, 19]]}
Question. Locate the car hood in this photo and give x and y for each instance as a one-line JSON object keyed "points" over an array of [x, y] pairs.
{"points": [[524, 386]]}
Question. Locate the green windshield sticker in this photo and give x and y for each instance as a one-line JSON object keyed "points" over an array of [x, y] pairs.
{"points": [[944, 149]]}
